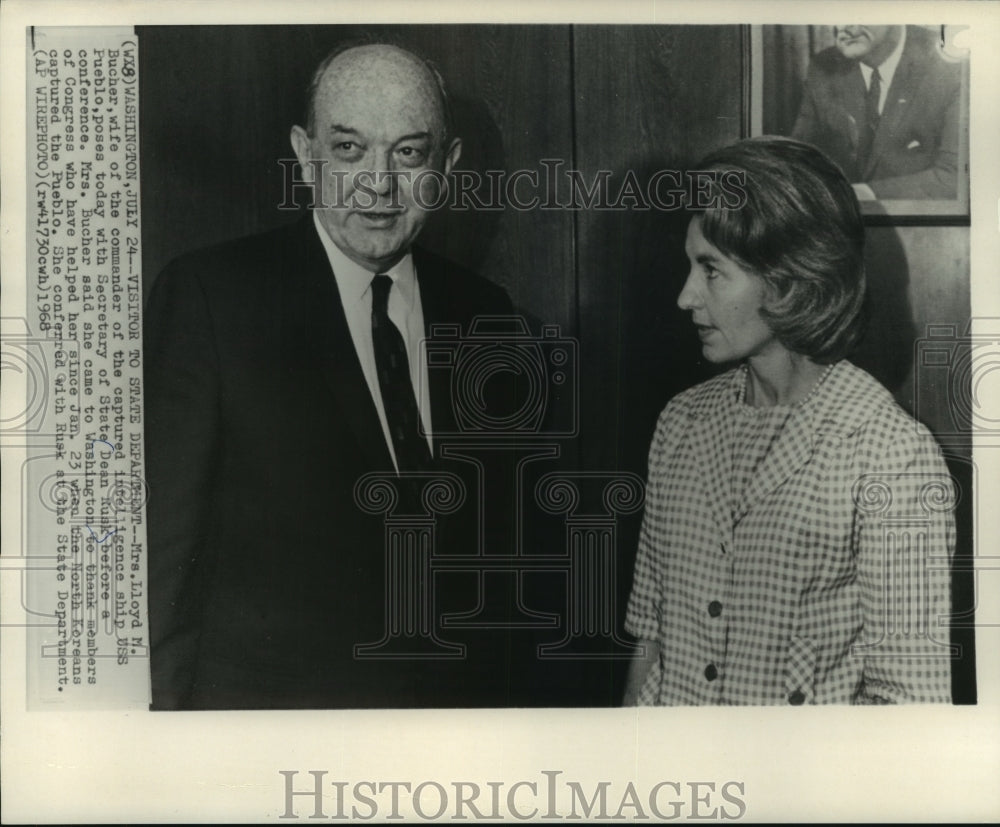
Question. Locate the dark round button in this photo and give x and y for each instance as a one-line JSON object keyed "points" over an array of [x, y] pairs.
{"points": [[797, 698], [715, 608], [711, 673]]}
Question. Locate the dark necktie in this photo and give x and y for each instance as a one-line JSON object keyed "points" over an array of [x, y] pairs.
{"points": [[872, 117], [401, 412], [874, 93]]}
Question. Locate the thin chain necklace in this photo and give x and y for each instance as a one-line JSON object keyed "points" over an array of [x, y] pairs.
{"points": [[741, 399]]}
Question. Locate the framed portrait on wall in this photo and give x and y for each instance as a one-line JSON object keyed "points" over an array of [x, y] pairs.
{"points": [[889, 104]]}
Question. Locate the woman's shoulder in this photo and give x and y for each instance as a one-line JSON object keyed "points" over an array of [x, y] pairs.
{"points": [[697, 402], [704, 398], [851, 396], [858, 407]]}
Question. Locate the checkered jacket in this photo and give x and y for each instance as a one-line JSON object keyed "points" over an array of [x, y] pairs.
{"points": [[830, 584]]}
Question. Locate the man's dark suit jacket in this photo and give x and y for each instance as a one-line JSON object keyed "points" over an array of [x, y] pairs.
{"points": [[915, 150], [263, 571]]}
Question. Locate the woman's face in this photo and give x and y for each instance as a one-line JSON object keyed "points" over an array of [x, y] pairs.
{"points": [[725, 302]]}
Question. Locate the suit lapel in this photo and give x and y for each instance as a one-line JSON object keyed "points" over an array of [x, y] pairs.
{"points": [[713, 455], [435, 301], [315, 331], [852, 95], [906, 78], [712, 443], [790, 452]]}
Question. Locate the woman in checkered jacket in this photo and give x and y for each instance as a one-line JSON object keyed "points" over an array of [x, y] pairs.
{"points": [[798, 523]]}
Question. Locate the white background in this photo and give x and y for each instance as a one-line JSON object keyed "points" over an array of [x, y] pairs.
{"points": [[798, 764]]}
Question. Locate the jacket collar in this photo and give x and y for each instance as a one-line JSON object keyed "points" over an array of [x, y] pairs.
{"points": [[316, 327], [908, 76], [839, 407], [317, 332]]}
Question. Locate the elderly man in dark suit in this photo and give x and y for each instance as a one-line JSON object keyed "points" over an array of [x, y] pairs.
{"points": [[884, 105], [279, 370]]}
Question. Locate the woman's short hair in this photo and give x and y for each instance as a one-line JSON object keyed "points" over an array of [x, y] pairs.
{"points": [[799, 228]]}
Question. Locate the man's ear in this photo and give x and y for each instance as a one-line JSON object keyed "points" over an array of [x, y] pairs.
{"points": [[452, 155], [302, 145]]}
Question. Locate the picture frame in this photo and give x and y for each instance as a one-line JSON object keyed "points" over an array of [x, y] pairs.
{"points": [[778, 60]]}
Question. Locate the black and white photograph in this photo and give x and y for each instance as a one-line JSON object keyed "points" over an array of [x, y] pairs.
{"points": [[888, 104], [452, 418], [270, 391]]}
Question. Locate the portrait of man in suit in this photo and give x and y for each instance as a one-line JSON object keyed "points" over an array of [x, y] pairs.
{"points": [[884, 104], [279, 369]]}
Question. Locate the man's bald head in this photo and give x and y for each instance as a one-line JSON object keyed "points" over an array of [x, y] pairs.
{"points": [[375, 65], [378, 146]]}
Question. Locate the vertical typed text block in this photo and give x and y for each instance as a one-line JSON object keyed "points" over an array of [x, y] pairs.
{"points": [[84, 543]]}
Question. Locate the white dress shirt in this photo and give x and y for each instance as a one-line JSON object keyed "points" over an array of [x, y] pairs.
{"points": [[886, 71], [405, 311]]}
